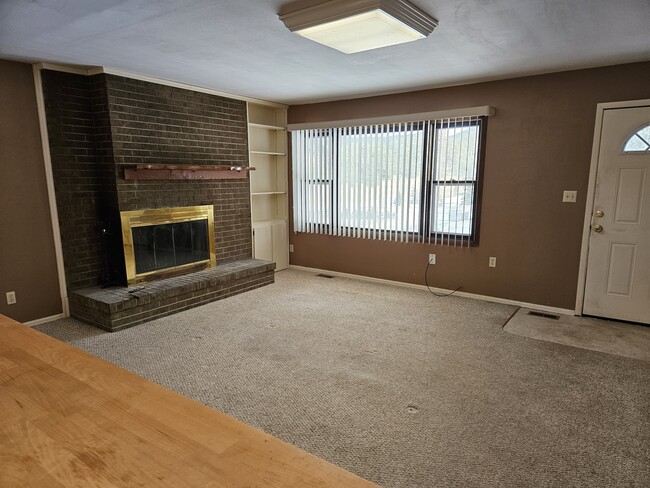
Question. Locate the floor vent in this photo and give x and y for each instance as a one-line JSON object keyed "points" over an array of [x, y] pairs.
{"points": [[544, 315], [321, 275]]}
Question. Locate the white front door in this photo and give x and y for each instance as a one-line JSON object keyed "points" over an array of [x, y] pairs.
{"points": [[618, 265]]}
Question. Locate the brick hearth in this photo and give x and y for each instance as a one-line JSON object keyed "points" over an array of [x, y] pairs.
{"points": [[117, 308]]}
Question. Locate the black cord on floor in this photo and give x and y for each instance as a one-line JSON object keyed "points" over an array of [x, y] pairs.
{"points": [[439, 295]]}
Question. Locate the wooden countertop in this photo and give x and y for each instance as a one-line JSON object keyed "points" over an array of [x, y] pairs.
{"points": [[69, 419]]}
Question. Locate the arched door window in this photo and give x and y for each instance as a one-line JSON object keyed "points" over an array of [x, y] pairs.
{"points": [[639, 142]]}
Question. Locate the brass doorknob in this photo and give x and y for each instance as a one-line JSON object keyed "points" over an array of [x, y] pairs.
{"points": [[597, 228], [600, 213]]}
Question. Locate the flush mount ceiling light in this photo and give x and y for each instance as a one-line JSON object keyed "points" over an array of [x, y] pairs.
{"points": [[352, 26]]}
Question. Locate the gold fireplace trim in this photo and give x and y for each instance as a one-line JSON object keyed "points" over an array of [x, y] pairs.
{"points": [[143, 218]]}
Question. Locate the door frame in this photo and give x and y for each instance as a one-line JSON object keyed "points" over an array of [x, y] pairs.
{"points": [[591, 191]]}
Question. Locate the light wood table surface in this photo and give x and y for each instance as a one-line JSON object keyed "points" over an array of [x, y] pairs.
{"points": [[69, 419]]}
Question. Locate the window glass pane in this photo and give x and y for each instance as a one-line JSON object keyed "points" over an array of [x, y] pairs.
{"points": [[452, 208], [319, 199], [381, 178], [456, 151], [318, 174], [639, 142]]}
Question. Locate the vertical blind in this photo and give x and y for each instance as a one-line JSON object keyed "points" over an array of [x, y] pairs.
{"points": [[408, 181]]}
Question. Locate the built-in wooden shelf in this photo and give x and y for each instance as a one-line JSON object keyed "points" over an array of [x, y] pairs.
{"points": [[270, 222], [267, 142], [184, 172], [265, 126], [269, 153]]}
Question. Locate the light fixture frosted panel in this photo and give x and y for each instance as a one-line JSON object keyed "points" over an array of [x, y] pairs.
{"points": [[362, 32], [351, 26]]}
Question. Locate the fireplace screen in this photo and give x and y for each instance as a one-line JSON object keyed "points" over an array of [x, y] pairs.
{"points": [[168, 245], [160, 241]]}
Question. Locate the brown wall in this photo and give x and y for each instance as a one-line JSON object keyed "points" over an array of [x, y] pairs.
{"points": [[538, 144], [27, 260]]}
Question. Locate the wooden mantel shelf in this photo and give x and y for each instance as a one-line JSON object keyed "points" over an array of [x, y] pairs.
{"points": [[184, 172]]}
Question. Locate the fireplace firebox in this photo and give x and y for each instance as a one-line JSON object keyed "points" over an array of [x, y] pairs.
{"points": [[167, 241]]}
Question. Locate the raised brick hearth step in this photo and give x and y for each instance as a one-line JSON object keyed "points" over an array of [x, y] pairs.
{"points": [[117, 308]]}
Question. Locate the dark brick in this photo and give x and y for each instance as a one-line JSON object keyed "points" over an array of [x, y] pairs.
{"points": [[99, 124], [115, 308]]}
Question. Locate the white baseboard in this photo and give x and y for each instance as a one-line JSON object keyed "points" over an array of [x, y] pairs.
{"points": [[505, 301], [44, 320]]}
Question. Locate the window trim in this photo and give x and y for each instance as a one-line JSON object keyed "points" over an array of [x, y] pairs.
{"points": [[480, 111], [429, 127], [473, 237]]}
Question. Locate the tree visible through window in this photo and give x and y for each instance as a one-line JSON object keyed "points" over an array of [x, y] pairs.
{"points": [[415, 181]]}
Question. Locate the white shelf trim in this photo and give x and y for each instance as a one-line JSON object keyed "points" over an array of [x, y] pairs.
{"points": [[269, 221], [269, 153], [265, 126]]}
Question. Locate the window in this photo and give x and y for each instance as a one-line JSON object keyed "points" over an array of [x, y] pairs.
{"points": [[454, 181], [379, 179], [414, 181], [639, 142]]}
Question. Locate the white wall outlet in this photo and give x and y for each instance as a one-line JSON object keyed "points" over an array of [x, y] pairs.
{"points": [[569, 196], [290, 247], [11, 297], [493, 262], [432, 259]]}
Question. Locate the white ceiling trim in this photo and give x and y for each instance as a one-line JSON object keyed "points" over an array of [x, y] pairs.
{"points": [[94, 70]]}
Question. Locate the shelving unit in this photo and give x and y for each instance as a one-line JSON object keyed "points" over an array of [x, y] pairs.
{"points": [[267, 142]]}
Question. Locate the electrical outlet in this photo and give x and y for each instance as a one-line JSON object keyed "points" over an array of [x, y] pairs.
{"points": [[290, 247], [11, 297], [432, 259], [493, 262], [569, 196]]}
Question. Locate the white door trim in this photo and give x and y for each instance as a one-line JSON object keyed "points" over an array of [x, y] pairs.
{"points": [[591, 189]]}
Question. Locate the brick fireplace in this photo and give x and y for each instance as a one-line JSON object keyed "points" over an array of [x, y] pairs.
{"points": [[101, 125]]}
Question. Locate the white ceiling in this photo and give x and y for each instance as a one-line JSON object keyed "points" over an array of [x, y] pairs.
{"points": [[241, 47]]}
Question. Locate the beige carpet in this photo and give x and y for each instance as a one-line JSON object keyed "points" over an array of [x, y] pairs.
{"points": [[398, 386]]}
